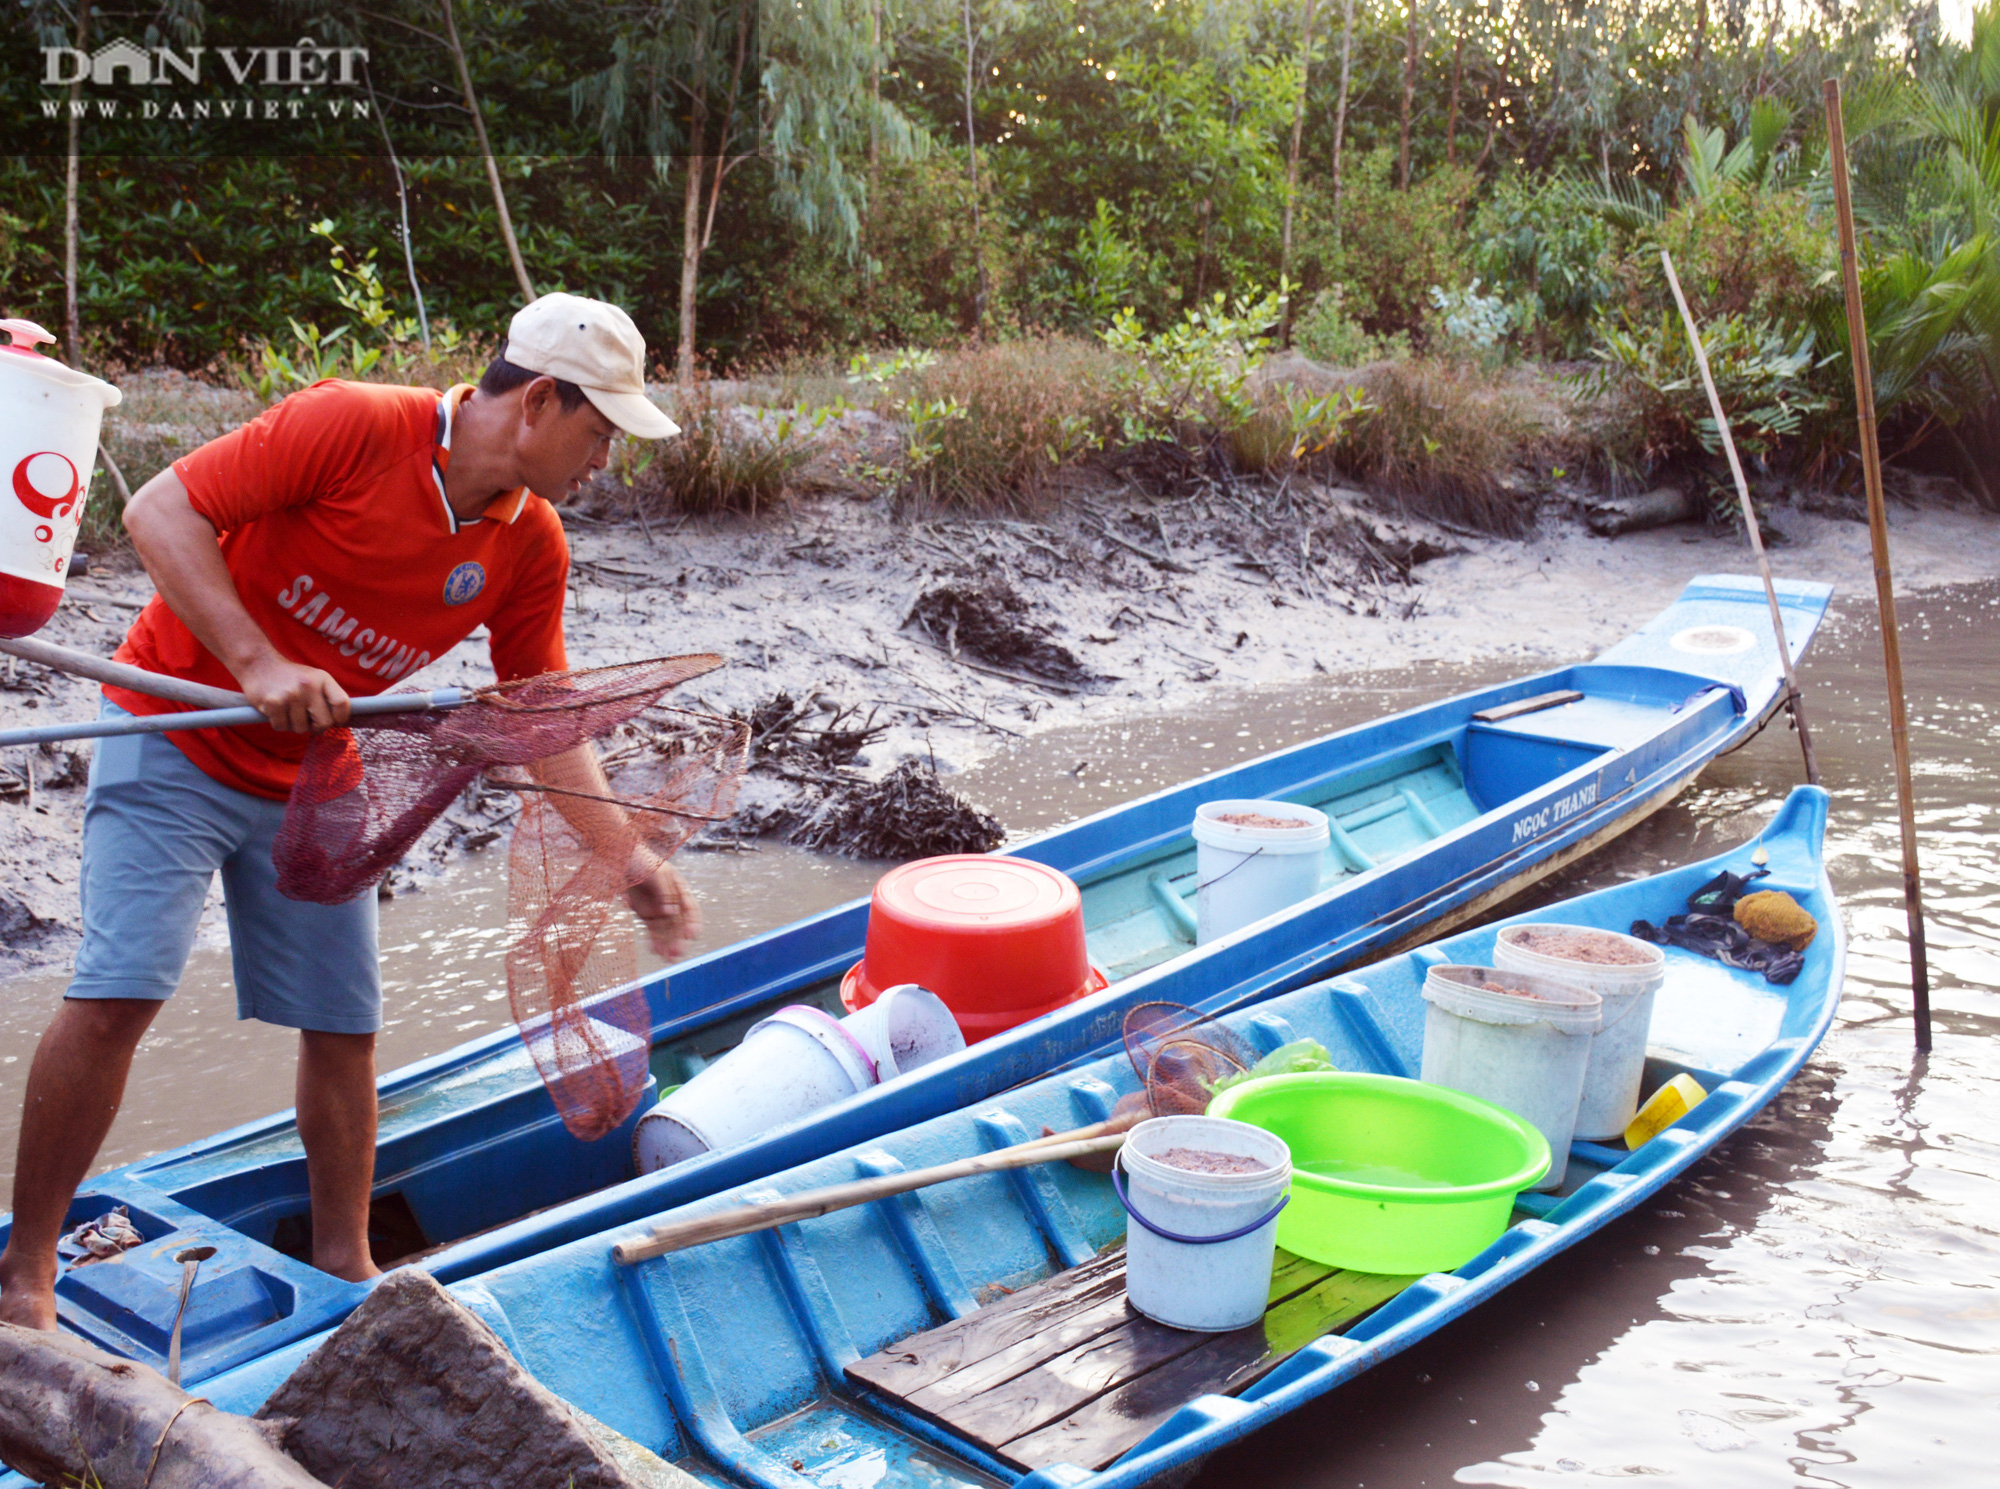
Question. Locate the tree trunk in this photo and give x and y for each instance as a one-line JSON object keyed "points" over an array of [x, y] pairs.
{"points": [[1457, 74], [1700, 51], [71, 183], [415, 1390], [690, 276], [972, 159], [403, 207], [72, 1414], [1292, 171], [691, 236], [485, 149], [1340, 109], [874, 152], [1409, 94]]}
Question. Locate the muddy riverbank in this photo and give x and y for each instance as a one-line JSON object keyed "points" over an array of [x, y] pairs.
{"points": [[948, 642]]}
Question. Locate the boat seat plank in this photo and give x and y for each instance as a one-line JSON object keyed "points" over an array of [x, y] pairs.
{"points": [[1031, 1370], [1094, 1435], [909, 1365], [1521, 706]]}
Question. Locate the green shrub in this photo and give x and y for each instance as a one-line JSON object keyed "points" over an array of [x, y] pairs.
{"points": [[725, 460], [1327, 333], [1189, 378], [997, 425], [1290, 428], [1763, 255], [1537, 246], [1656, 408], [1388, 247], [1440, 435]]}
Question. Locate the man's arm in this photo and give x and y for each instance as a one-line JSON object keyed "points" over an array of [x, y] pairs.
{"points": [[179, 548], [659, 897]]}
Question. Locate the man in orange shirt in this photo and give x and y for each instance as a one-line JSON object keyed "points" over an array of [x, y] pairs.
{"points": [[328, 548]]}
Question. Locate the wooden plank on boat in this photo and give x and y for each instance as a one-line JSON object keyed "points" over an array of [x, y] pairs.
{"points": [[1079, 1342], [913, 1363], [1520, 706], [1008, 1338], [1097, 1433]]}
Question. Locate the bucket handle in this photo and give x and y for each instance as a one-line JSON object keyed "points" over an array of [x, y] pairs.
{"points": [[1255, 852], [1118, 1188]]}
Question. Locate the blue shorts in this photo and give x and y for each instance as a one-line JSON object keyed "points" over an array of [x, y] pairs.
{"points": [[155, 830]]}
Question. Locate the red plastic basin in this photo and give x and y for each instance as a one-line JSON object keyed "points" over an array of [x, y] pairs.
{"points": [[1000, 940]]}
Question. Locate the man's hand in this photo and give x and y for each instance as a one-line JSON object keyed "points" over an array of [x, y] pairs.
{"points": [[296, 699], [667, 906]]}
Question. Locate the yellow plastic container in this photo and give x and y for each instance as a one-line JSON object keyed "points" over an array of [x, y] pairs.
{"points": [[1663, 1108]]}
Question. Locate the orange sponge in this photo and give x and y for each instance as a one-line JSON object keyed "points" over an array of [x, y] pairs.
{"points": [[1774, 916]]}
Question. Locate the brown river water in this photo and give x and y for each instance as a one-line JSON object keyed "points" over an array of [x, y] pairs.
{"points": [[1817, 1303]]}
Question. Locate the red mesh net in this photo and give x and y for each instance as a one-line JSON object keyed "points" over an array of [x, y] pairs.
{"points": [[1181, 1053], [588, 831]]}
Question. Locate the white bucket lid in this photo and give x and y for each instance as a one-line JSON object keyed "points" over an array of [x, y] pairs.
{"points": [[1489, 996], [1311, 835]]}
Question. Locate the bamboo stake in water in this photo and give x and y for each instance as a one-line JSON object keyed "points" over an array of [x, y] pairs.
{"points": [[1885, 591], [770, 1214], [1794, 702]]}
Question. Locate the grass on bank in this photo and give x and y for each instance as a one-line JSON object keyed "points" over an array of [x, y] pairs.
{"points": [[1006, 426]]}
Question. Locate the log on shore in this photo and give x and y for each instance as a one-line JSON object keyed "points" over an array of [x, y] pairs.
{"points": [[1662, 507], [414, 1389], [70, 1411]]}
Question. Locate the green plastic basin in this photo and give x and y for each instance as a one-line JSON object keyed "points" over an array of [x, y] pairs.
{"points": [[1390, 1175]]}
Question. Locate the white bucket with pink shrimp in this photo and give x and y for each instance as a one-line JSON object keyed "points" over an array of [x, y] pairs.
{"points": [[1253, 859], [1626, 973]]}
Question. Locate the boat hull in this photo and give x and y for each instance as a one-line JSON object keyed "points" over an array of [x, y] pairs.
{"points": [[739, 1359], [1450, 815]]}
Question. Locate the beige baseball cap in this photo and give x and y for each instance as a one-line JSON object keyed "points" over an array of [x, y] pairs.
{"points": [[595, 346]]}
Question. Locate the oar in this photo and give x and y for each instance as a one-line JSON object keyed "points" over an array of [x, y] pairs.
{"points": [[214, 708], [1794, 701], [1885, 588], [1056, 1148]]}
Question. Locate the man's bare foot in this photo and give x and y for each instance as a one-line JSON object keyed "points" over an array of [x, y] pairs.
{"points": [[348, 1269], [24, 1304]]}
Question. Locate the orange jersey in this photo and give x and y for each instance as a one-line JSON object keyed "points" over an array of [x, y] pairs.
{"points": [[336, 531]]}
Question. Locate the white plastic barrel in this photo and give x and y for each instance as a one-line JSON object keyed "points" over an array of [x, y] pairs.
{"points": [[788, 1065], [904, 1029], [1517, 1039], [1246, 871], [49, 421], [1194, 1282], [1618, 1048]]}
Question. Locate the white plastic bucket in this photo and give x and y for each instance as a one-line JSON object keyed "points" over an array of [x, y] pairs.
{"points": [[49, 421], [1618, 1048], [1245, 872], [1211, 1270], [788, 1065], [1525, 1050], [904, 1029]]}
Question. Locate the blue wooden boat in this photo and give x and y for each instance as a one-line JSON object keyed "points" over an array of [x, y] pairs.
{"points": [[1445, 810], [787, 1359]]}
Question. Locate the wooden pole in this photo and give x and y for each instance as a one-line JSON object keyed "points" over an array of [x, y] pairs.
{"points": [[1794, 701], [748, 1218], [1885, 592]]}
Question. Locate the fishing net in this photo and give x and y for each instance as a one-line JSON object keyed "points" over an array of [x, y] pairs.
{"points": [[589, 829], [1181, 1055]]}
